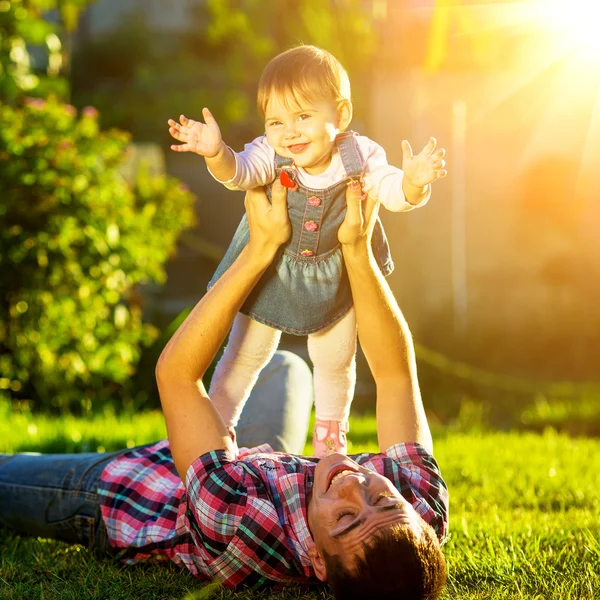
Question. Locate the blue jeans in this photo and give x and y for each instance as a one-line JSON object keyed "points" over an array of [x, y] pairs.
{"points": [[55, 495]]}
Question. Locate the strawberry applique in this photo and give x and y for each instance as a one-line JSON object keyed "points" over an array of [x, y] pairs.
{"points": [[287, 180]]}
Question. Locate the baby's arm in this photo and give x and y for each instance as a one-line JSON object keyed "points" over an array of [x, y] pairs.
{"points": [[401, 190], [254, 167], [204, 139]]}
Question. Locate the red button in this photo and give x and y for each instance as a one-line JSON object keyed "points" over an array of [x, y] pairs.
{"points": [[306, 253], [310, 226], [314, 201]]}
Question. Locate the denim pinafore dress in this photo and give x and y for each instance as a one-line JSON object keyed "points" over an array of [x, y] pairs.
{"points": [[306, 288]]}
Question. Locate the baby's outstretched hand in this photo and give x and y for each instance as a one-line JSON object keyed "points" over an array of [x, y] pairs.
{"points": [[202, 138], [425, 167]]}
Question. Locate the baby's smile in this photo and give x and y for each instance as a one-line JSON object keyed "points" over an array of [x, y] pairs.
{"points": [[298, 148]]}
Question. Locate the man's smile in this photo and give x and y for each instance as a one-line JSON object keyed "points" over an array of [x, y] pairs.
{"points": [[337, 475]]}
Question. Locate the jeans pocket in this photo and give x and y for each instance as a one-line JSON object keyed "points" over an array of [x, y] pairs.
{"points": [[78, 529]]}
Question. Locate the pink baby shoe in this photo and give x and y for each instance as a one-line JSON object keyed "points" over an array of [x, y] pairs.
{"points": [[329, 437]]}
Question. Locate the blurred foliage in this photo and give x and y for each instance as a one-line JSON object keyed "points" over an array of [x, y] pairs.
{"points": [[254, 31], [76, 239], [25, 24], [215, 62], [515, 367]]}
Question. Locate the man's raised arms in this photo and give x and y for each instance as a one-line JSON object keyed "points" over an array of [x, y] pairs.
{"points": [[193, 424], [383, 333]]}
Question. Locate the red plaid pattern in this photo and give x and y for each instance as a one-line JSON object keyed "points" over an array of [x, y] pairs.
{"points": [[241, 519]]}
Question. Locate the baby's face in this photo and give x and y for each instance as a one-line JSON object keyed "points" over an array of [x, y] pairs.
{"points": [[305, 132]]}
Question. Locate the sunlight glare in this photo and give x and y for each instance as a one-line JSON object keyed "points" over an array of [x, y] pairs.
{"points": [[576, 22]]}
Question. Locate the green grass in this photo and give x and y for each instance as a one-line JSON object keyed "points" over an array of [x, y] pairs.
{"points": [[524, 518]]}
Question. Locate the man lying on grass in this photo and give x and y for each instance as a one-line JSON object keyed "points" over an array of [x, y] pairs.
{"points": [[370, 525]]}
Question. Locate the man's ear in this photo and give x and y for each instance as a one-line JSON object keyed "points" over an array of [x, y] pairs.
{"points": [[317, 561], [344, 114]]}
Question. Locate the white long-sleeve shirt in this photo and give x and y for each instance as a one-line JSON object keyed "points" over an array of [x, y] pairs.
{"points": [[255, 166]]}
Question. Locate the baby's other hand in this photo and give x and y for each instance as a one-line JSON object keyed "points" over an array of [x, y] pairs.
{"points": [[425, 167], [202, 138]]}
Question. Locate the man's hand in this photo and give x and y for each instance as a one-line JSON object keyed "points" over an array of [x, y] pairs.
{"points": [[202, 138], [425, 167], [268, 221], [361, 214]]}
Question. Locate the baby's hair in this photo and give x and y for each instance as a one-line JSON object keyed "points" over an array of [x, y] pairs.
{"points": [[304, 73]]}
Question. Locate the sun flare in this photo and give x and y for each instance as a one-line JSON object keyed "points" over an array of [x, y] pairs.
{"points": [[539, 57], [575, 25]]}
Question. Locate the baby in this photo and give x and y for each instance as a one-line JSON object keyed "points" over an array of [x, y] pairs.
{"points": [[304, 98]]}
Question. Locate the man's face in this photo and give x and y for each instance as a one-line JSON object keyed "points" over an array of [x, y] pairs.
{"points": [[350, 504]]}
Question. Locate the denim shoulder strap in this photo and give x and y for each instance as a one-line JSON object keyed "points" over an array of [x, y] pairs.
{"points": [[282, 161], [350, 153]]}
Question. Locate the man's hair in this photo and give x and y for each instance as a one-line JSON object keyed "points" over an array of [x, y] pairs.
{"points": [[397, 565], [304, 73]]}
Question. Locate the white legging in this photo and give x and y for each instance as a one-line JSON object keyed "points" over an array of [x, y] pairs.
{"points": [[251, 346]]}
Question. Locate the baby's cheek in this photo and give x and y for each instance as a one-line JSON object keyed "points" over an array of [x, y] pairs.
{"points": [[332, 131], [273, 140]]}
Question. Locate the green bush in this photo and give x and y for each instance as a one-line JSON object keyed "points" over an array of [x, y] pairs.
{"points": [[76, 240], [35, 25]]}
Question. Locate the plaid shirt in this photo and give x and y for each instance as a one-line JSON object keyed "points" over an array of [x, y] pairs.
{"points": [[241, 519]]}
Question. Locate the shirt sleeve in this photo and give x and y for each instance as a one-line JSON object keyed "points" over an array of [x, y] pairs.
{"points": [[254, 166], [422, 473], [261, 449], [216, 499], [383, 182]]}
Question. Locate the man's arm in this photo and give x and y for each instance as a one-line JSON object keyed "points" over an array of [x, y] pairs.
{"points": [[193, 424], [383, 332]]}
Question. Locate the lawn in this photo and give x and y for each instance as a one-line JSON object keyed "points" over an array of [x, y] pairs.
{"points": [[524, 517]]}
